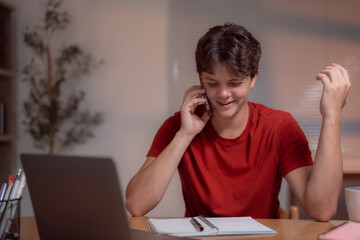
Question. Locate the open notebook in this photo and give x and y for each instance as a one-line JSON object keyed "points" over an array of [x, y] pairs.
{"points": [[211, 226]]}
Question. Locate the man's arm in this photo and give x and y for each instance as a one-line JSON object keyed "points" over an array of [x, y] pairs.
{"points": [[148, 186], [317, 188]]}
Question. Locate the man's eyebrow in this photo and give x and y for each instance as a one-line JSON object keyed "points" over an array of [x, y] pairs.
{"points": [[239, 79], [210, 79], [236, 79]]}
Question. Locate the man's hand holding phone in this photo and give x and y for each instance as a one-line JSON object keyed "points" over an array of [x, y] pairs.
{"points": [[191, 124]]}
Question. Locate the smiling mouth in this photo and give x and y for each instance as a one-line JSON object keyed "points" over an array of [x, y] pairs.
{"points": [[225, 104]]}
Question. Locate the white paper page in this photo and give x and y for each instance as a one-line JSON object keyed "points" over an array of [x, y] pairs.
{"points": [[239, 224]]}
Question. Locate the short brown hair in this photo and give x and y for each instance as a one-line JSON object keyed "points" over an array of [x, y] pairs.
{"points": [[228, 44]]}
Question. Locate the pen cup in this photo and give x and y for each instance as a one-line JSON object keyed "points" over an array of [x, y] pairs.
{"points": [[10, 219]]}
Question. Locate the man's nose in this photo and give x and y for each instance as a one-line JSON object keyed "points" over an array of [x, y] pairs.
{"points": [[224, 92]]}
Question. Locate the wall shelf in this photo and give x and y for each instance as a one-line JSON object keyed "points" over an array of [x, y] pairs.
{"points": [[5, 73], [5, 138], [7, 84]]}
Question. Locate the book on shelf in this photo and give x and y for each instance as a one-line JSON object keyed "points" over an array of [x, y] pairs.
{"points": [[183, 227]]}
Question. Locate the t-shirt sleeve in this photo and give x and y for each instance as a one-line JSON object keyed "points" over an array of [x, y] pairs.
{"points": [[165, 135], [293, 147]]}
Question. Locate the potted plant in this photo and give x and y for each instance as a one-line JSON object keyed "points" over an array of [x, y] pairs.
{"points": [[53, 115]]}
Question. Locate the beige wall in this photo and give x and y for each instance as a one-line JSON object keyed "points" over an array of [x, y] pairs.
{"points": [[130, 88]]}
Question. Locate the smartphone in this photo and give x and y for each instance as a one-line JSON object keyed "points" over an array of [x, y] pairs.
{"points": [[207, 103]]}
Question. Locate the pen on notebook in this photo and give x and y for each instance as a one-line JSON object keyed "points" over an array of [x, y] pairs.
{"points": [[196, 225], [208, 222]]}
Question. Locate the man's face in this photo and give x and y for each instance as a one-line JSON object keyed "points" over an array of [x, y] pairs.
{"points": [[227, 93]]}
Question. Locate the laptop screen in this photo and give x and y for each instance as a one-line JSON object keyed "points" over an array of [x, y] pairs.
{"points": [[75, 197]]}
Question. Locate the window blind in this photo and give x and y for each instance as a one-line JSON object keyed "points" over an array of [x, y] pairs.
{"points": [[298, 39]]}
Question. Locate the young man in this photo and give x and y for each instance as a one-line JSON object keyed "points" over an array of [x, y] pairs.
{"points": [[232, 164]]}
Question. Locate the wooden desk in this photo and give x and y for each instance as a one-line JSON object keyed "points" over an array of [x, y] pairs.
{"points": [[287, 229], [28, 229]]}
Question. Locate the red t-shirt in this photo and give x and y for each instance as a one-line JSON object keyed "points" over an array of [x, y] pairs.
{"points": [[241, 176]]}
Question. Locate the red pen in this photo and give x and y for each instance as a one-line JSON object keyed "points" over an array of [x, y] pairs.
{"points": [[11, 179]]}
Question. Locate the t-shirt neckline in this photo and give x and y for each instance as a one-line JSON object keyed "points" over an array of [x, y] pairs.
{"points": [[231, 141]]}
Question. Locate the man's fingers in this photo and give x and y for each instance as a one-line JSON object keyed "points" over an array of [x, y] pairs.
{"points": [[344, 73], [193, 92], [332, 75], [323, 78], [336, 83], [192, 104], [336, 74]]}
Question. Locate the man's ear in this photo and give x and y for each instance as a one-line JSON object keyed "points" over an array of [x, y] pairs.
{"points": [[253, 81]]}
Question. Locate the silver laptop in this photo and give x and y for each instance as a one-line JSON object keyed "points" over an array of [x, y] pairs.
{"points": [[78, 198]]}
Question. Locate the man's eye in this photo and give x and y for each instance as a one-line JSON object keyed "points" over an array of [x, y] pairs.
{"points": [[212, 84], [234, 84]]}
